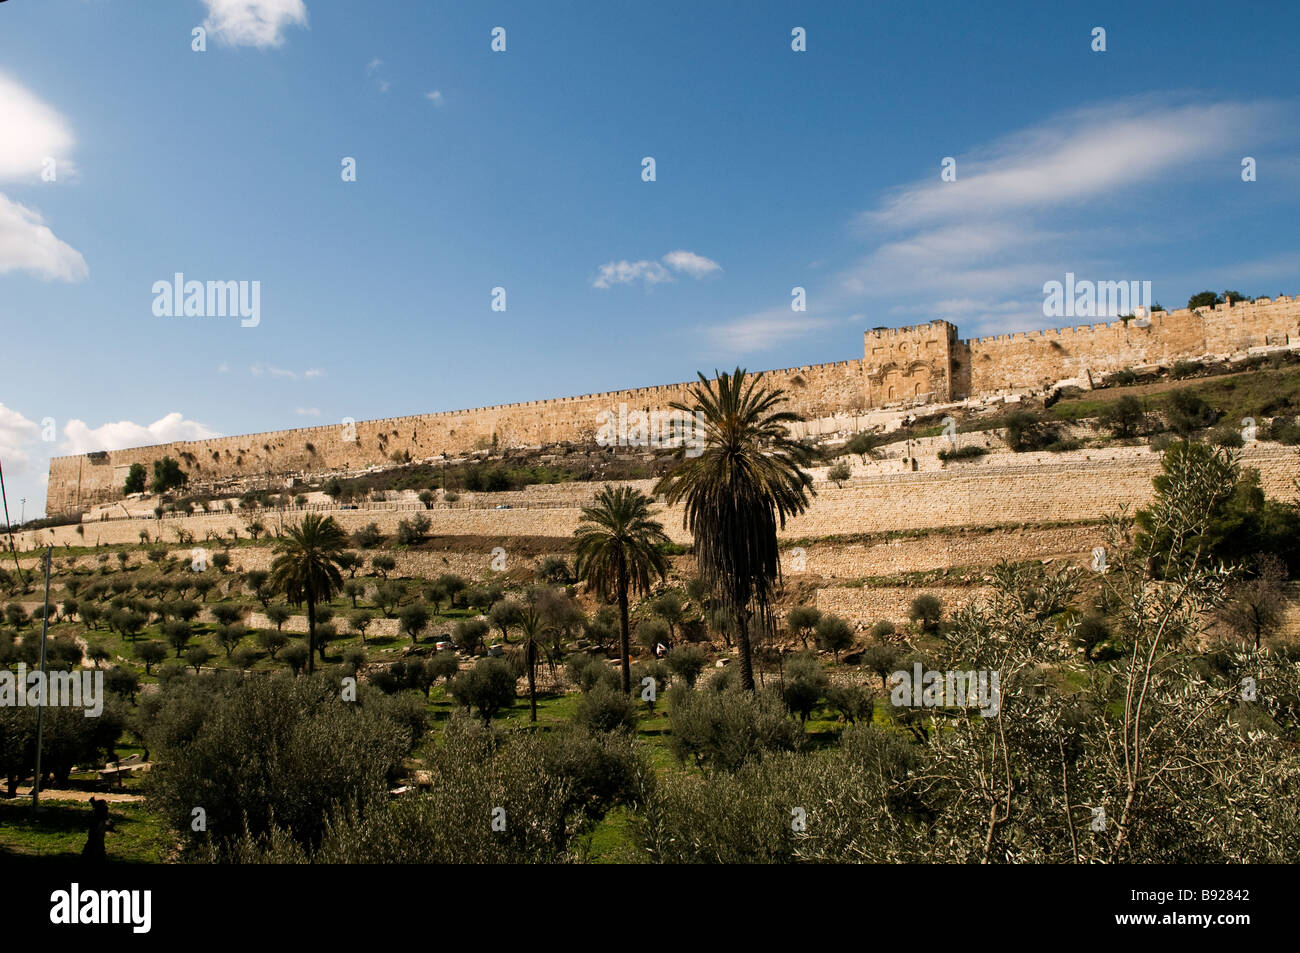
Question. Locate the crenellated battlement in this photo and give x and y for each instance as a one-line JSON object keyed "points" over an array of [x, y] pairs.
{"points": [[903, 366]]}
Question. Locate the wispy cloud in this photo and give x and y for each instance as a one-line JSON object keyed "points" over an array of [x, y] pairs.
{"points": [[764, 329], [270, 370], [434, 96], [373, 69], [256, 23], [307, 411], [654, 272]]}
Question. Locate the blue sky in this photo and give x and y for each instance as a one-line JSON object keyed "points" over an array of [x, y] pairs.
{"points": [[522, 169]]}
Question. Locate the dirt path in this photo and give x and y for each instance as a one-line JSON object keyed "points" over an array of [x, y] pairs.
{"points": [[53, 794]]}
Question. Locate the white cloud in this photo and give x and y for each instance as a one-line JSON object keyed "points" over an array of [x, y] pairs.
{"points": [[28, 244], [653, 272], [434, 96], [80, 437], [270, 370], [258, 23], [17, 433], [34, 134], [372, 69], [307, 411], [697, 266], [223, 368], [764, 329], [626, 272], [1089, 153]]}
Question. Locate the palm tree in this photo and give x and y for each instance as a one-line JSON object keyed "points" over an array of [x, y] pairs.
{"points": [[535, 630], [618, 550], [306, 569], [747, 479]]}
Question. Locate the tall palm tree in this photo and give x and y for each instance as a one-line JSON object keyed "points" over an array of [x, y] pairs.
{"points": [[535, 631], [618, 551], [306, 569], [747, 479]]}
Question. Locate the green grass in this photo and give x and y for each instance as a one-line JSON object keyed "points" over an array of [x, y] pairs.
{"points": [[1259, 393], [58, 832]]}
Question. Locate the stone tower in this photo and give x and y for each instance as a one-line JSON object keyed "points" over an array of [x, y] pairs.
{"points": [[915, 364]]}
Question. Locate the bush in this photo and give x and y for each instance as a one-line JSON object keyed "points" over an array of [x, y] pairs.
{"points": [[686, 662], [1025, 432], [554, 570], [469, 635], [413, 531], [1125, 417], [367, 537], [833, 634], [295, 656], [547, 791], [650, 633], [1187, 413], [605, 708], [882, 630], [854, 702], [251, 750], [805, 683], [839, 473], [725, 730], [1228, 436], [927, 610], [1184, 369], [489, 686], [968, 452], [1284, 430], [590, 671]]}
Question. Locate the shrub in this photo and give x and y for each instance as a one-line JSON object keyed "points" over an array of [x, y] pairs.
{"points": [[443, 665], [489, 686], [882, 630], [269, 748], [368, 537], [968, 452], [413, 531], [554, 570], [854, 702], [1284, 430], [839, 473], [686, 662], [552, 789], [651, 633], [295, 656], [1025, 432], [1225, 435], [469, 635], [805, 683], [150, 653], [244, 657], [834, 634], [590, 671], [606, 708], [927, 610], [1188, 413], [725, 730], [1124, 418], [1184, 369]]}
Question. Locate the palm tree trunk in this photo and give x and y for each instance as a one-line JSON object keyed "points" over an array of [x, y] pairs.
{"points": [[311, 632], [625, 646], [746, 662], [532, 679]]}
